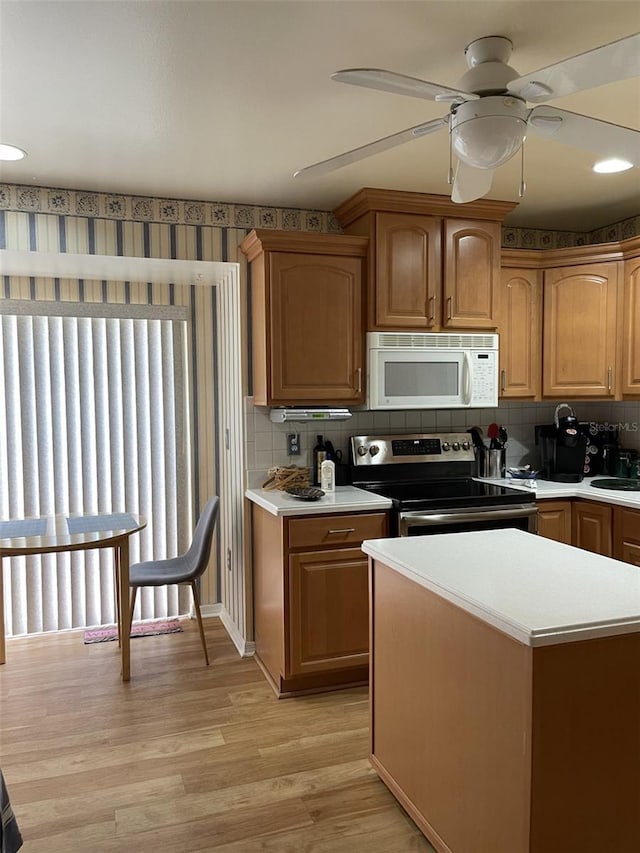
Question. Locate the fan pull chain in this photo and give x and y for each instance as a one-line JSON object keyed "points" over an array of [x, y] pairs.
{"points": [[523, 187], [450, 175]]}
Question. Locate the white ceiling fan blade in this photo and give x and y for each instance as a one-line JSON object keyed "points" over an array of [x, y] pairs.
{"points": [[399, 84], [325, 166], [590, 134], [470, 183], [618, 60]]}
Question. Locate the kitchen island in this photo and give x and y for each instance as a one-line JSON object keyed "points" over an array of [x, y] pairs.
{"points": [[505, 691]]}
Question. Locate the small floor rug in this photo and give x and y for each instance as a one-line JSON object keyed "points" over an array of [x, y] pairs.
{"points": [[143, 629]]}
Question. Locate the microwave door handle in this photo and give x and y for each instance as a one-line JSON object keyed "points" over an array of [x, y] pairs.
{"points": [[466, 379]]}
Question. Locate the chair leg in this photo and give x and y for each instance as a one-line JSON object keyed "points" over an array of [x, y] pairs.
{"points": [[196, 601], [132, 604]]}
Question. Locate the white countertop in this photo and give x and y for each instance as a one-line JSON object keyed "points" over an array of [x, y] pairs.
{"points": [[344, 499], [545, 489], [536, 590]]}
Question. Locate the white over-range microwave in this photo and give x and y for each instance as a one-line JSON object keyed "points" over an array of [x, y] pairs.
{"points": [[432, 370]]}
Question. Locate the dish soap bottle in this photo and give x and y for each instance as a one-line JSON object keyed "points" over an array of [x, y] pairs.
{"points": [[328, 476], [319, 455]]}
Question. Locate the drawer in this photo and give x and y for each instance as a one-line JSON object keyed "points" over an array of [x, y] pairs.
{"points": [[331, 530], [631, 553]]}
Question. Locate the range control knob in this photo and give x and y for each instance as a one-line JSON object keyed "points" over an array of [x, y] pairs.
{"points": [[466, 445], [374, 450], [362, 450], [446, 446], [456, 445]]}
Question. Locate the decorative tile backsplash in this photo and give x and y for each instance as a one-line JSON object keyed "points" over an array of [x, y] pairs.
{"points": [[266, 444]]}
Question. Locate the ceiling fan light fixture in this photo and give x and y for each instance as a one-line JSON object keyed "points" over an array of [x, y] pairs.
{"points": [[612, 165], [487, 133], [11, 152]]}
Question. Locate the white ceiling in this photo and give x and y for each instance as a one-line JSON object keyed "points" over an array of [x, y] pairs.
{"points": [[223, 101]]}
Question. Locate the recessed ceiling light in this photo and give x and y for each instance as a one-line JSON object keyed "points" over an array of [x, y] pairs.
{"points": [[11, 152], [605, 167]]}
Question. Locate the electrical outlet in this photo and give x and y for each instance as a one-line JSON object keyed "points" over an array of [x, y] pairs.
{"points": [[293, 444]]}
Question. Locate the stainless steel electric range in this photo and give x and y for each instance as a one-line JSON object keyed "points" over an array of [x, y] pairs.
{"points": [[431, 480]]}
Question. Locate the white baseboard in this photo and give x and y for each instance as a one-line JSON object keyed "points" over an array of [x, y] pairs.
{"points": [[246, 648], [209, 610]]}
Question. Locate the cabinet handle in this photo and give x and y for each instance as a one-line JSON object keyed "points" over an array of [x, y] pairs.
{"points": [[359, 380], [448, 307], [503, 380], [341, 530], [609, 378], [432, 308]]}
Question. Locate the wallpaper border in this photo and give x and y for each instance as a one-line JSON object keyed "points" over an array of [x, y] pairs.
{"points": [[135, 208]]}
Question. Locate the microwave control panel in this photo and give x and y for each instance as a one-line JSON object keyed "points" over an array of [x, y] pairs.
{"points": [[484, 377]]}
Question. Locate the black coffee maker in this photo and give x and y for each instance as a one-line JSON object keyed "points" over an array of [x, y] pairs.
{"points": [[563, 447]]}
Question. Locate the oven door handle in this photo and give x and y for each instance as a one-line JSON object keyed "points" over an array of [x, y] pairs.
{"points": [[413, 519]]}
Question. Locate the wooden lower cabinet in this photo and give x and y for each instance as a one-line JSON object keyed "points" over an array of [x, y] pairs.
{"points": [[613, 531], [311, 600], [554, 520], [591, 525], [329, 627], [626, 535]]}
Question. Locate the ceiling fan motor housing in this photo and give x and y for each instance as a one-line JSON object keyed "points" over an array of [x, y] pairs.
{"points": [[488, 132]]}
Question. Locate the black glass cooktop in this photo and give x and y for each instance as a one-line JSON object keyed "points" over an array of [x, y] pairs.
{"points": [[449, 493]]}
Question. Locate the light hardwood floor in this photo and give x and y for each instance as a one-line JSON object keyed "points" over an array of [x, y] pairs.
{"points": [[185, 757]]}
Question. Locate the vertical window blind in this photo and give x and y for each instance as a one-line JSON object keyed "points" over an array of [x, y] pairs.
{"points": [[95, 419]]}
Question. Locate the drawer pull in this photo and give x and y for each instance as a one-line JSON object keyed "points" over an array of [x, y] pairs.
{"points": [[341, 530]]}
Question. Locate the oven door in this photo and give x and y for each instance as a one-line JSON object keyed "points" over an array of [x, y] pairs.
{"points": [[422, 523]]}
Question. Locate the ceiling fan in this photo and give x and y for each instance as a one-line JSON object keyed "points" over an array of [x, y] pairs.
{"points": [[488, 117]]}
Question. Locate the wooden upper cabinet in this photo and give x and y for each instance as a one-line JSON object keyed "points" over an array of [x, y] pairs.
{"points": [[580, 331], [631, 329], [520, 328], [316, 328], [471, 274], [428, 267], [307, 318], [408, 271]]}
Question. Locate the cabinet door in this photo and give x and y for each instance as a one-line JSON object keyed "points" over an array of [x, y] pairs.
{"points": [[408, 271], [316, 330], [631, 328], [472, 274], [592, 527], [520, 328], [626, 535], [554, 520], [580, 310], [329, 610]]}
